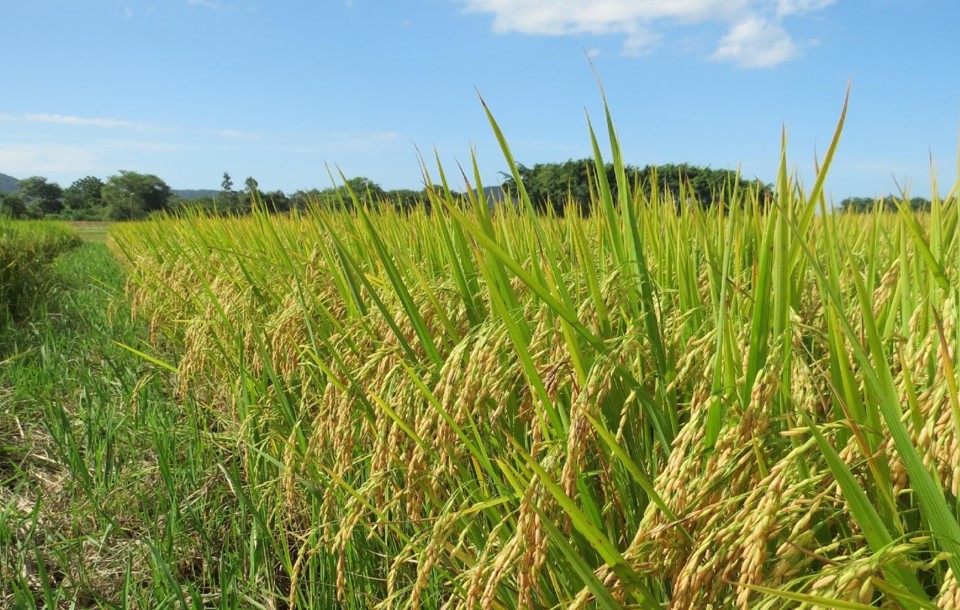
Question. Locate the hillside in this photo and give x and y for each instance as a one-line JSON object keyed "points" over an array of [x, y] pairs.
{"points": [[192, 194], [8, 184]]}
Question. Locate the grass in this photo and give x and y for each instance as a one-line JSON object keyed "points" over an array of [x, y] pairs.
{"points": [[91, 230], [111, 486], [755, 407], [26, 252]]}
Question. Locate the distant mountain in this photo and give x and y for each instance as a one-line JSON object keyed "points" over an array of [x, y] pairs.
{"points": [[8, 184], [495, 195], [192, 194]]}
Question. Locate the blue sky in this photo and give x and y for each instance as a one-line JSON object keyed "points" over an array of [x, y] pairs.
{"points": [[188, 89]]}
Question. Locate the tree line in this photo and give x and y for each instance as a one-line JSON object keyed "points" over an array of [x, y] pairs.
{"points": [[125, 196], [573, 184], [134, 196], [864, 205], [233, 202], [557, 187]]}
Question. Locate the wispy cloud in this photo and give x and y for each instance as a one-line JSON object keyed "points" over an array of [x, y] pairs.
{"points": [[756, 36], [125, 125], [65, 146], [129, 145], [28, 159], [232, 134], [346, 139], [63, 119], [213, 4], [332, 142]]}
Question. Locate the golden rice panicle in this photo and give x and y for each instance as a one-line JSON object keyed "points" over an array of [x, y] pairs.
{"points": [[435, 548], [379, 369], [949, 596], [936, 439], [533, 539], [586, 403]]}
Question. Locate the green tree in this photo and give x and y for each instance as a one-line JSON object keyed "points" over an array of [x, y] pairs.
{"points": [[574, 183], [276, 201], [84, 194], [365, 189], [131, 196], [405, 199], [229, 200], [864, 205], [37, 192], [704, 186], [12, 206], [558, 185], [251, 185]]}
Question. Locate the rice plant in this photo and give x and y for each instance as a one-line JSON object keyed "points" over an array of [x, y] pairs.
{"points": [[26, 252], [661, 404]]}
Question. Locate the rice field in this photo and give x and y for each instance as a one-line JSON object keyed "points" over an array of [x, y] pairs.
{"points": [[750, 406], [475, 407]]}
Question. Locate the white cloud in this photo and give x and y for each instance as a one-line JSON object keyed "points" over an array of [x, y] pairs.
{"points": [[799, 7], [756, 43], [205, 3], [756, 35], [591, 53], [640, 41], [557, 17]]}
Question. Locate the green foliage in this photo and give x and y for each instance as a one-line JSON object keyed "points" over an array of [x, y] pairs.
{"points": [[406, 199], [367, 192], [230, 201], [355, 408], [12, 206], [277, 200], [131, 196], [84, 195], [111, 490], [864, 205], [226, 185], [703, 185], [27, 251], [39, 193], [335, 198], [573, 183]]}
